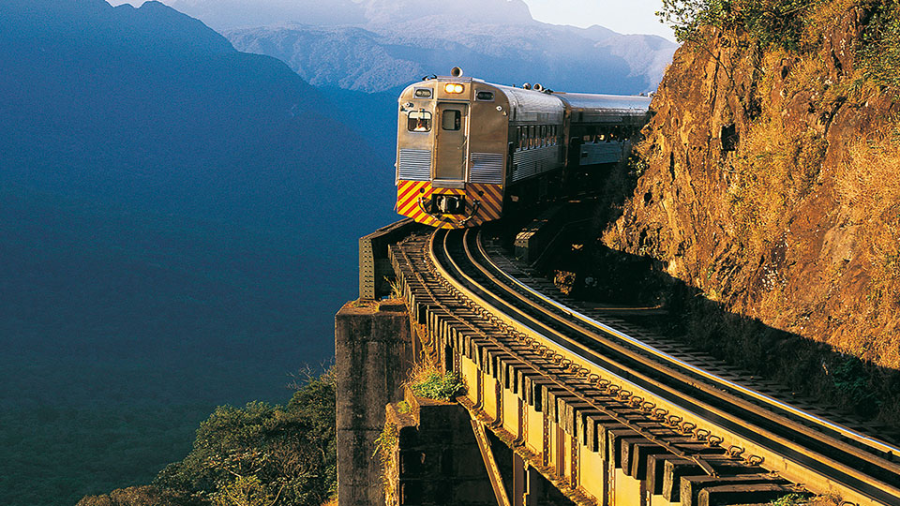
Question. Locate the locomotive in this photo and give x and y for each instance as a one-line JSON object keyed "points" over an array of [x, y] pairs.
{"points": [[468, 150]]}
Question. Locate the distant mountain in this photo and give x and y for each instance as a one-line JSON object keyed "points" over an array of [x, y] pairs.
{"points": [[360, 53], [377, 45], [362, 68], [150, 107], [178, 223], [228, 14], [378, 58]]}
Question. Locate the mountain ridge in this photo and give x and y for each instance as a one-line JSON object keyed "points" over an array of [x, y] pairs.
{"points": [[373, 59], [377, 45], [167, 203]]}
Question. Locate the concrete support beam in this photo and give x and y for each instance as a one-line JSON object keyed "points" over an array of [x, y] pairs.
{"points": [[373, 351]]}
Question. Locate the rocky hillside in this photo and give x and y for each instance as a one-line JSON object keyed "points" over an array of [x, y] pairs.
{"points": [[768, 175]]}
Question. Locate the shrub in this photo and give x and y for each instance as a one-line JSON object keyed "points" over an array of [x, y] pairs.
{"points": [[384, 451], [437, 386], [879, 53], [137, 496], [769, 22], [790, 500], [263, 454]]}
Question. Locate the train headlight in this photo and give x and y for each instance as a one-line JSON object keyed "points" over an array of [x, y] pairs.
{"points": [[454, 88]]}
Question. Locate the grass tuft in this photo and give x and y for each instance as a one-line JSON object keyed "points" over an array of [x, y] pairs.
{"points": [[427, 381]]}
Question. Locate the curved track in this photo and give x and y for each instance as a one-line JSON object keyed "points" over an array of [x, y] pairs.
{"points": [[801, 446]]}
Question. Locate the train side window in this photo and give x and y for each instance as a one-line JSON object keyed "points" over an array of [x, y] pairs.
{"points": [[451, 120], [419, 121], [531, 136]]}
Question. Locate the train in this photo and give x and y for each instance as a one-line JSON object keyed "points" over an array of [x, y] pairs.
{"points": [[469, 151]]}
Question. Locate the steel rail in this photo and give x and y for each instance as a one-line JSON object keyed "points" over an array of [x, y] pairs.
{"points": [[845, 470], [874, 443], [819, 437], [623, 420], [886, 465]]}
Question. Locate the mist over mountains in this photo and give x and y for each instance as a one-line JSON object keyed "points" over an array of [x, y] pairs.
{"points": [[379, 45], [386, 58], [228, 14]]}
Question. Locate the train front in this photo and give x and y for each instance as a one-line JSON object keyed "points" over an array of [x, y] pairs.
{"points": [[452, 151]]}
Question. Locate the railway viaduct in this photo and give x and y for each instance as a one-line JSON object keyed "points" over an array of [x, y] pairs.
{"points": [[548, 415]]}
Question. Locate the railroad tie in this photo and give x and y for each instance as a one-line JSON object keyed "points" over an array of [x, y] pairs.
{"points": [[724, 465], [743, 494], [691, 486], [636, 457]]}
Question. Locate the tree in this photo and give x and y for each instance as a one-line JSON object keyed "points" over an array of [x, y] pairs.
{"points": [[137, 496], [264, 455]]}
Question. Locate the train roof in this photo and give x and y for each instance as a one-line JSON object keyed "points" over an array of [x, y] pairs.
{"points": [[584, 107], [624, 104], [528, 104]]}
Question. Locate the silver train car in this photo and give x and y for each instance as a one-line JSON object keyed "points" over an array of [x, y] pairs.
{"points": [[468, 150]]}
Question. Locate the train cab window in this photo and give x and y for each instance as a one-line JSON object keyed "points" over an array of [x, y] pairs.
{"points": [[419, 121], [485, 96], [423, 92], [451, 120]]}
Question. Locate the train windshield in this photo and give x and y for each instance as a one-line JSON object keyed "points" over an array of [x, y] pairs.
{"points": [[419, 121]]}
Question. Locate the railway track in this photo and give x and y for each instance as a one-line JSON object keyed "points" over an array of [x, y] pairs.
{"points": [[703, 419]]}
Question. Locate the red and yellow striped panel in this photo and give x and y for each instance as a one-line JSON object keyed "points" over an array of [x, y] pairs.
{"points": [[489, 198]]}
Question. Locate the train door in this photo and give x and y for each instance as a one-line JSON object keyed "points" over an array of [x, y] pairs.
{"points": [[450, 143]]}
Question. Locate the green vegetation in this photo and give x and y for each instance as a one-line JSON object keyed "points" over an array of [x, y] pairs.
{"points": [[771, 22], [385, 444], [880, 51], [795, 25], [437, 386], [138, 496], [791, 500], [102, 390], [259, 455]]}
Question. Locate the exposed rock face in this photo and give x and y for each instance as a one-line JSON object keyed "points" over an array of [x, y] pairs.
{"points": [[770, 184]]}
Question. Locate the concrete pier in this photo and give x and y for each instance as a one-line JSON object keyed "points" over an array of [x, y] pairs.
{"points": [[373, 350]]}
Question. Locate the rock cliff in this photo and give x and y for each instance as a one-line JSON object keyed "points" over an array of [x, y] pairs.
{"points": [[768, 175]]}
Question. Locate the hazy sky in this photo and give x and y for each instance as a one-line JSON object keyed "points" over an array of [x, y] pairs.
{"points": [[623, 16]]}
